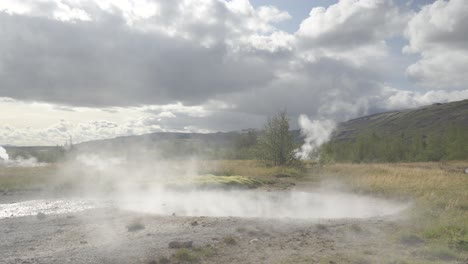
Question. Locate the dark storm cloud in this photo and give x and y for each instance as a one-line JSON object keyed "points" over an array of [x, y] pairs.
{"points": [[105, 63]]}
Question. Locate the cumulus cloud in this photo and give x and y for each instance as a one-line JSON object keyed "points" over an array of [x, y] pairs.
{"points": [[62, 131], [353, 29], [439, 33], [49, 124]]}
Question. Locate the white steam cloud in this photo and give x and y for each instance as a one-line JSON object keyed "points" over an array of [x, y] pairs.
{"points": [[317, 204], [316, 133], [3, 154], [18, 161]]}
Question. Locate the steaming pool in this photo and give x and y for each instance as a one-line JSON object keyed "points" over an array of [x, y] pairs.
{"points": [[249, 204]]}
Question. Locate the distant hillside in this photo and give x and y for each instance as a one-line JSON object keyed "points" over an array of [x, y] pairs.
{"points": [[153, 138], [220, 145], [424, 121], [429, 133]]}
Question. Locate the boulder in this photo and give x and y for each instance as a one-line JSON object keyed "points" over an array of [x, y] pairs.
{"points": [[180, 244], [135, 227]]}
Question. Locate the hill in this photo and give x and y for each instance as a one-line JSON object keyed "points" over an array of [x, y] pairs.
{"points": [[220, 145], [424, 120], [429, 133]]}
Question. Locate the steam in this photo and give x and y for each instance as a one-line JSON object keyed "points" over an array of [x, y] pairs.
{"points": [[94, 161], [317, 204], [321, 203], [316, 133], [18, 161], [3, 154], [145, 184]]}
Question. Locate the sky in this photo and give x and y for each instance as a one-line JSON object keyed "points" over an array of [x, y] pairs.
{"points": [[94, 69]]}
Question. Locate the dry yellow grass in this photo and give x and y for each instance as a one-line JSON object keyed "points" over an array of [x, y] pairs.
{"points": [[415, 180], [439, 192], [12, 178]]}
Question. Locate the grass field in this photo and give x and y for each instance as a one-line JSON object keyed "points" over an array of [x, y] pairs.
{"points": [[26, 178], [439, 218]]}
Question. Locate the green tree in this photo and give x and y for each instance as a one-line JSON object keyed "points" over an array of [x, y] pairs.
{"points": [[276, 144], [456, 147]]}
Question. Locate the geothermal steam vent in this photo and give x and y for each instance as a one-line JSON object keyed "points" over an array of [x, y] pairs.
{"points": [[321, 204], [300, 205]]}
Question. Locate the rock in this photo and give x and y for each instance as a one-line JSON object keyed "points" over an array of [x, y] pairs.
{"points": [[41, 216], [135, 227], [180, 244], [466, 170]]}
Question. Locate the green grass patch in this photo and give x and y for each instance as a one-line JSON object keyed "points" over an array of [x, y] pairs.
{"points": [[229, 181]]}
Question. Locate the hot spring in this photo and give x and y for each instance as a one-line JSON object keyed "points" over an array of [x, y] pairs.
{"points": [[320, 204]]}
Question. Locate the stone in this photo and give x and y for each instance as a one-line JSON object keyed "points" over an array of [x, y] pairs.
{"points": [[180, 244]]}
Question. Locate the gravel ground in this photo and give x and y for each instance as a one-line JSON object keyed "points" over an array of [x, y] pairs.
{"points": [[110, 235]]}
